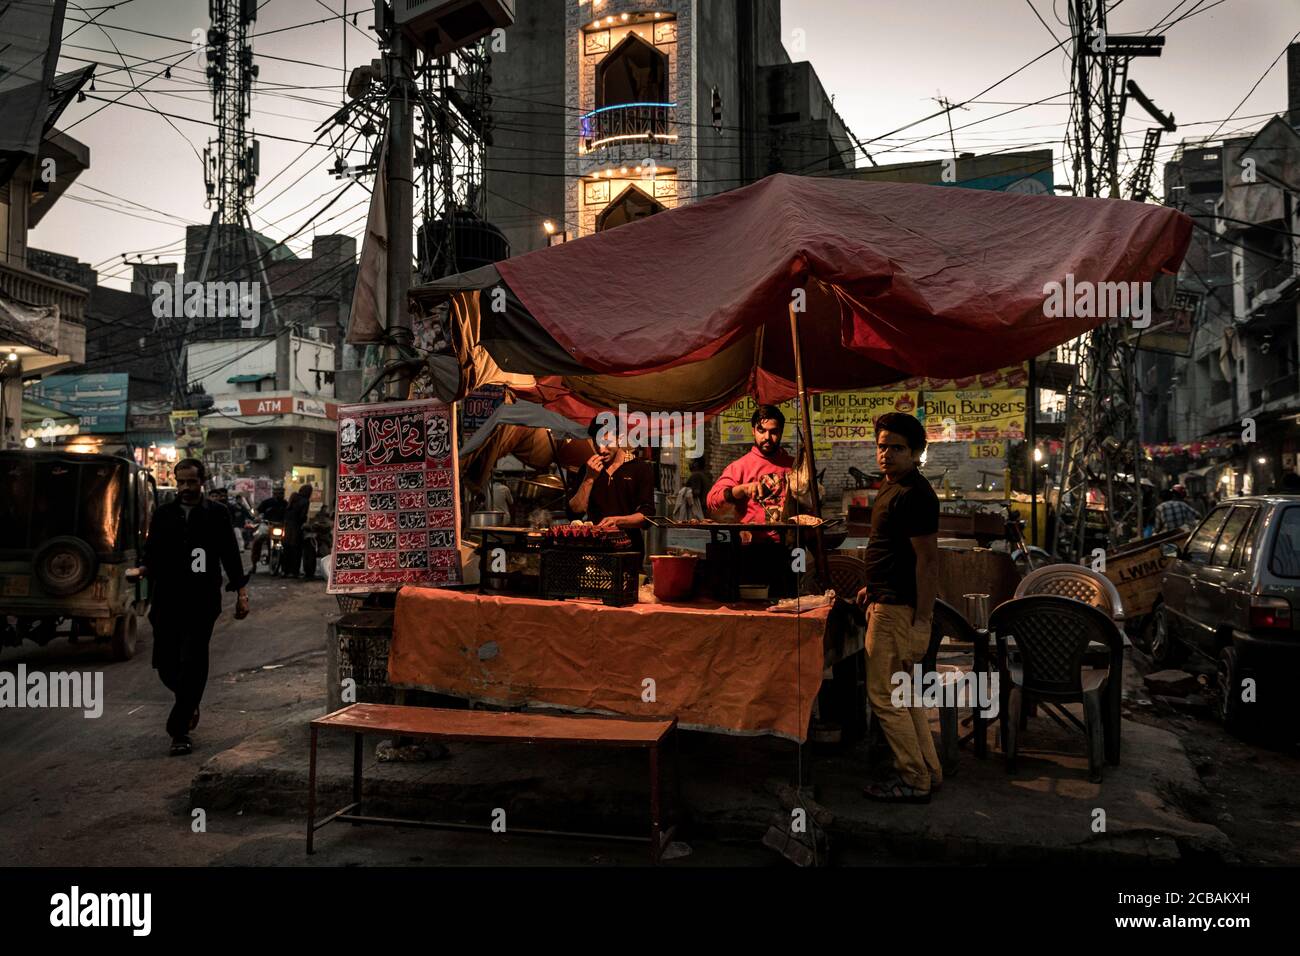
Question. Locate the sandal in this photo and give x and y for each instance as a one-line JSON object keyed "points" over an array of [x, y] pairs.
{"points": [[181, 746], [895, 791]]}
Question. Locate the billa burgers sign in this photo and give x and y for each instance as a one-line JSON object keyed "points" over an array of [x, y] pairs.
{"points": [[974, 415], [851, 416]]}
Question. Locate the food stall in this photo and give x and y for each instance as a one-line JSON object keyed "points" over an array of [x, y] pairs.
{"points": [[783, 288]]}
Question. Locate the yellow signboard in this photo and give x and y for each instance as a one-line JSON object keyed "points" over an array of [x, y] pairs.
{"points": [[988, 449], [735, 421], [851, 416], [984, 414]]}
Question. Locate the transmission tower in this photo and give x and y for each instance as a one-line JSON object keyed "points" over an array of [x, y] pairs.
{"points": [[231, 160], [1102, 449]]}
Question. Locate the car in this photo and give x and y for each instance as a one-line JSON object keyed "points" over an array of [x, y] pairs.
{"points": [[72, 527], [1229, 594]]}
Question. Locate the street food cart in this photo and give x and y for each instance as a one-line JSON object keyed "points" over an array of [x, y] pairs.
{"points": [[781, 288]]}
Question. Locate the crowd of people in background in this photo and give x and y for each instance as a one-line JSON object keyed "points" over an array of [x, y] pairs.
{"points": [[307, 538]]}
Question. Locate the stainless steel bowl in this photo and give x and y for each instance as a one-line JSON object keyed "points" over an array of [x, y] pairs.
{"points": [[488, 519]]}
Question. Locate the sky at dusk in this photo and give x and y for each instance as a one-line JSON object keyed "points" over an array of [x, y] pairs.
{"points": [[885, 61]]}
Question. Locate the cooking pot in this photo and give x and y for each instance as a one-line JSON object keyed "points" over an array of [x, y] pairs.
{"points": [[543, 486], [488, 519]]}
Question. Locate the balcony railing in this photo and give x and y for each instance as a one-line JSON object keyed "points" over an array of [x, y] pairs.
{"points": [[33, 288], [628, 123]]}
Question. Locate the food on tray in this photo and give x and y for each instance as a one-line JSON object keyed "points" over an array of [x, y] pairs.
{"points": [[810, 521]]}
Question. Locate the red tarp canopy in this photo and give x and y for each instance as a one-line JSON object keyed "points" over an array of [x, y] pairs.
{"points": [[688, 310]]}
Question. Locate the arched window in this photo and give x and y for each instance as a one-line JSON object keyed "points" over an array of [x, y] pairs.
{"points": [[631, 205], [634, 72]]}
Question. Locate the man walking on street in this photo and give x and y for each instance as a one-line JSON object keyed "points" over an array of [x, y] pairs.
{"points": [[295, 518], [902, 585], [189, 543]]}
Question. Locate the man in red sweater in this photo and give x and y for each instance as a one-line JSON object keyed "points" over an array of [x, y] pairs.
{"points": [[757, 484]]}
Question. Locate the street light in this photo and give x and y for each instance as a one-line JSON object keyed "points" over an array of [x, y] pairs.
{"points": [[29, 442], [549, 227], [1038, 454]]}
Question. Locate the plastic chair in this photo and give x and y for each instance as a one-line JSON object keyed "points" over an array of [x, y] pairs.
{"points": [[848, 575], [1076, 582], [945, 622], [1053, 634]]}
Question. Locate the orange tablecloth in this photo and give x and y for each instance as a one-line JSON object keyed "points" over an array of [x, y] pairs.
{"points": [[715, 669]]}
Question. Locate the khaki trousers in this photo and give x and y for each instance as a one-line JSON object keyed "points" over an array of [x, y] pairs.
{"points": [[894, 645]]}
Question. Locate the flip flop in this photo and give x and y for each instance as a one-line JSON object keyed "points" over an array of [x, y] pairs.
{"points": [[895, 791], [181, 746]]}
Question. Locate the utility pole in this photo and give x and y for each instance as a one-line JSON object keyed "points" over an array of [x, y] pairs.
{"points": [[397, 70], [1103, 425]]}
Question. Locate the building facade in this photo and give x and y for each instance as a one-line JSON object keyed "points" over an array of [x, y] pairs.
{"points": [[1234, 393]]}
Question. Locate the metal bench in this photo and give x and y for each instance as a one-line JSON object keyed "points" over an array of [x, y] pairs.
{"points": [[429, 723]]}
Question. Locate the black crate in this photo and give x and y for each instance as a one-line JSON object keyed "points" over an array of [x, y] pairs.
{"points": [[611, 576]]}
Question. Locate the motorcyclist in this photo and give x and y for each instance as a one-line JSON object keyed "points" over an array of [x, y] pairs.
{"points": [[271, 511], [240, 516]]}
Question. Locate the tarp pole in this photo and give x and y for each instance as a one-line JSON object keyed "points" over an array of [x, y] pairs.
{"points": [[805, 414]]}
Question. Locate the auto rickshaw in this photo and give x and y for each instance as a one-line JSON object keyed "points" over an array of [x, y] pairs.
{"points": [[71, 526]]}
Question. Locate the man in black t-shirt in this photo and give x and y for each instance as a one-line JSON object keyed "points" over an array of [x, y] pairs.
{"points": [[902, 585], [617, 489]]}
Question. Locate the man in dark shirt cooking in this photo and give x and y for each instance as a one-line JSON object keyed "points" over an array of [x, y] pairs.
{"points": [[902, 585], [618, 489]]}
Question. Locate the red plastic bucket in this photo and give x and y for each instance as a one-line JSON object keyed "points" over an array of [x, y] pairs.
{"points": [[674, 575]]}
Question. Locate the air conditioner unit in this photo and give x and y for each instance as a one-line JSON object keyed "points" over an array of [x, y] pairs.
{"points": [[257, 452], [441, 26]]}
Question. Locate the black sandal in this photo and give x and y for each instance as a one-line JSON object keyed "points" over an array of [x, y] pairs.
{"points": [[895, 791], [181, 747]]}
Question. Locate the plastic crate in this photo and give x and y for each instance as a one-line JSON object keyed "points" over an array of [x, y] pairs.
{"points": [[611, 576]]}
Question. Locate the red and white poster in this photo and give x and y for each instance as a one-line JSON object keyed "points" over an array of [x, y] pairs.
{"points": [[397, 521]]}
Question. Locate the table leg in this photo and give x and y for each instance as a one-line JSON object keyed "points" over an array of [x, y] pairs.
{"points": [[356, 773], [311, 793], [655, 826]]}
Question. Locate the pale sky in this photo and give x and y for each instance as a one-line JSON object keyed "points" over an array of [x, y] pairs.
{"points": [[884, 60]]}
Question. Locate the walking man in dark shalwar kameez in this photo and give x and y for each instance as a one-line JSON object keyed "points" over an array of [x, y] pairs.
{"points": [[189, 543]]}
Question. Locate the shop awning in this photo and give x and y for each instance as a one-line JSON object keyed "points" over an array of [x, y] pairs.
{"points": [[252, 377], [45, 421], [689, 309]]}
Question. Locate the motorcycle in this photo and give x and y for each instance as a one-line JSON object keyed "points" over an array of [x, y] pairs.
{"points": [[268, 546]]}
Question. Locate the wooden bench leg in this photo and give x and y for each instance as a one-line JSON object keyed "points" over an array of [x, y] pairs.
{"points": [[356, 774], [311, 793]]}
